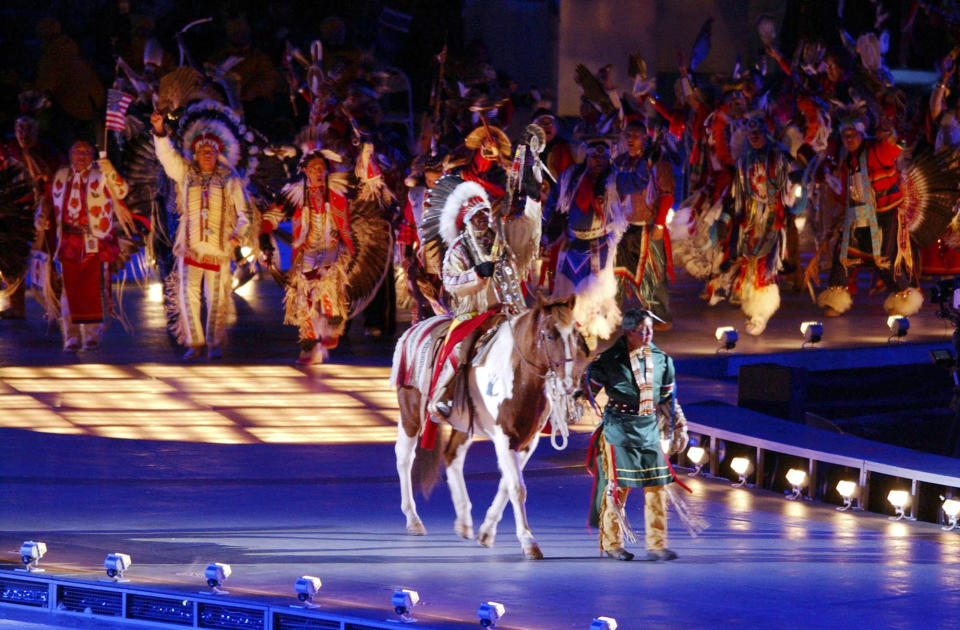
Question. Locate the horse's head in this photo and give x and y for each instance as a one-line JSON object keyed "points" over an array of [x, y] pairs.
{"points": [[551, 336]]}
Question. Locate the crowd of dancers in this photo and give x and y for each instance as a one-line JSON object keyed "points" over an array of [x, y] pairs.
{"points": [[724, 178]]}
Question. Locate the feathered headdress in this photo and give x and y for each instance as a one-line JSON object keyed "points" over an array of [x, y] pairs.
{"points": [[212, 122], [310, 142], [475, 138], [459, 207]]}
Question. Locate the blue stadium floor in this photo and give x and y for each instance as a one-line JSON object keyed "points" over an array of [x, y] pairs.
{"points": [[282, 472]]}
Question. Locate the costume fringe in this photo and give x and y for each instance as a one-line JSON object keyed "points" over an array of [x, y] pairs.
{"points": [[620, 514], [837, 298], [41, 284], [596, 309], [116, 309], [905, 303], [691, 241], [759, 305], [9, 288], [694, 523], [171, 304]]}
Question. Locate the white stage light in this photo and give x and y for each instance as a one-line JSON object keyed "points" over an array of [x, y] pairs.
{"points": [[798, 479], [604, 623], [403, 600], [698, 457], [216, 573], [727, 336], [741, 466], [490, 613], [898, 325], [116, 564], [951, 507], [899, 499], [847, 490], [812, 333], [31, 552], [306, 588]]}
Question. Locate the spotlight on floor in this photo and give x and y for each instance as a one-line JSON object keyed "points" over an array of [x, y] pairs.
{"points": [[698, 457], [898, 325], [490, 613], [604, 623], [798, 480], [31, 552], [847, 490], [812, 333], [216, 573], [899, 499], [306, 588], [116, 564], [951, 507], [403, 600], [741, 466], [727, 336]]}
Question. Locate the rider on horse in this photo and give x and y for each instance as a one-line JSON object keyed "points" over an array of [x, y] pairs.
{"points": [[467, 269]]}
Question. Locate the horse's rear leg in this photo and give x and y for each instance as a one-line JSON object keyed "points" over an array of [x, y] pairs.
{"points": [[511, 486], [405, 450], [455, 454]]}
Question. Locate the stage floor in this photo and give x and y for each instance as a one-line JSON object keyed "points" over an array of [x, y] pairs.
{"points": [[281, 472]]}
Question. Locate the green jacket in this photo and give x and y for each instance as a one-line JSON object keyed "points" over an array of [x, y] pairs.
{"points": [[635, 439]]}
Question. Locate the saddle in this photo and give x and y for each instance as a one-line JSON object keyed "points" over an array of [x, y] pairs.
{"points": [[473, 345]]}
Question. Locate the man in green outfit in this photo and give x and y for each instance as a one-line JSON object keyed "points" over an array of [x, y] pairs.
{"points": [[626, 449]]}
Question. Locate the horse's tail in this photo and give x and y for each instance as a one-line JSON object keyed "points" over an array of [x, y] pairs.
{"points": [[428, 463]]}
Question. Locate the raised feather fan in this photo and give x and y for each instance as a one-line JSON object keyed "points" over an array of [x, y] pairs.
{"points": [[930, 192], [593, 89]]}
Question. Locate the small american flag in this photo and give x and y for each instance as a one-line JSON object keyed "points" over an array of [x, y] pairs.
{"points": [[117, 104]]}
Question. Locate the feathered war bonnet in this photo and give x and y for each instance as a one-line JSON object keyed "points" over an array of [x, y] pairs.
{"points": [[210, 122], [465, 201]]}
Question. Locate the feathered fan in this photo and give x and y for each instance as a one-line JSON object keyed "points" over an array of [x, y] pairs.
{"points": [[930, 192], [637, 70], [178, 88], [593, 90], [374, 242]]}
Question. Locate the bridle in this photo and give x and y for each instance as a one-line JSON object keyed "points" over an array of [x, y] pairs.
{"points": [[559, 390], [544, 350]]}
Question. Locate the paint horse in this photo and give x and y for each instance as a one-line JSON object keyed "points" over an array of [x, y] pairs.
{"points": [[523, 375]]}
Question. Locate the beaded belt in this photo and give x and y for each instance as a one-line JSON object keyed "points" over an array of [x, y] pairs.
{"points": [[589, 234], [623, 407]]}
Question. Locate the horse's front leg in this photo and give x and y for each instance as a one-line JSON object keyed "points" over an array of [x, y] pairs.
{"points": [[488, 529], [405, 450], [456, 453], [511, 465]]}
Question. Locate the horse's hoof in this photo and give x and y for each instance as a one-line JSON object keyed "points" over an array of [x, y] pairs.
{"points": [[486, 539], [533, 553], [416, 529], [463, 531]]}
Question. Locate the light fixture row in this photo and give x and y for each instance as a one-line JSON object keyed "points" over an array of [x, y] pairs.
{"points": [[798, 479], [812, 333], [306, 587]]}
